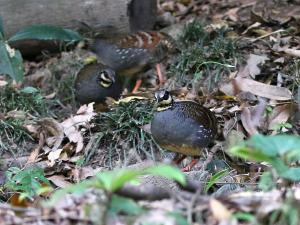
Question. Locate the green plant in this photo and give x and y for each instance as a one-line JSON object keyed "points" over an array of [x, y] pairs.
{"points": [[281, 151], [119, 129], [214, 179], [281, 126], [15, 106], [28, 182], [111, 181], [11, 62], [206, 55]]}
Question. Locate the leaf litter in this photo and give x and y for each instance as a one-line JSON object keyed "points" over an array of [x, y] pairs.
{"points": [[255, 96]]}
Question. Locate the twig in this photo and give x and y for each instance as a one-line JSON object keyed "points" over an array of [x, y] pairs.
{"points": [[267, 35], [191, 205], [145, 192], [210, 156]]}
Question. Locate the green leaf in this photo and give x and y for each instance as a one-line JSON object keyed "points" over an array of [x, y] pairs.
{"points": [[167, 171], [28, 181], [247, 217], [123, 177], [77, 189], [113, 180], [1, 29], [249, 153], [29, 90], [180, 220], [275, 145], [215, 178], [266, 182], [291, 174], [11, 62], [46, 32], [124, 205]]}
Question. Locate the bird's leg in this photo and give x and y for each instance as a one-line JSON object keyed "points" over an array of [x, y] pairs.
{"points": [[178, 159], [160, 76], [191, 165], [137, 85]]}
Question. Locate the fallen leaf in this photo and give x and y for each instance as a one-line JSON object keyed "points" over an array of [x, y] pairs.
{"points": [[129, 99], [252, 69], [280, 114], [53, 156], [219, 210], [71, 125], [261, 89], [35, 153], [50, 96], [292, 52], [52, 130], [31, 128], [59, 181], [251, 117], [17, 114]]}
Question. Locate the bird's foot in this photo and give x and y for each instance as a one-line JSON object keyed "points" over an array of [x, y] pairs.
{"points": [[137, 85], [190, 166], [160, 76]]}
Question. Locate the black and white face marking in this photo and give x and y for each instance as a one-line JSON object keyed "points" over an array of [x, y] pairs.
{"points": [[164, 100], [106, 78]]}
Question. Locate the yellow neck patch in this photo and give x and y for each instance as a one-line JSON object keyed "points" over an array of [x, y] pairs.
{"points": [[163, 107]]}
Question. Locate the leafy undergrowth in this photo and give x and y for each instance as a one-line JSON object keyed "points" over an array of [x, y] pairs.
{"points": [[245, 69]]}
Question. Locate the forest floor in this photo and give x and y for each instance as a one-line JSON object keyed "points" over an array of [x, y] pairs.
{"points": [[239, 58]]}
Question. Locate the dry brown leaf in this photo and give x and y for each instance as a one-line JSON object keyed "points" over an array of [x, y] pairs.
{"points": [[53, 156], [71, 125], [292, 52], [35, 153], [252, 69], [18, 114], [52, 130], [219, 210], [246, 119], [280, 114], [130, 98], [31, 128], [251, 117], [59, 181], [50, 96], [233, 14], [263, 90]]}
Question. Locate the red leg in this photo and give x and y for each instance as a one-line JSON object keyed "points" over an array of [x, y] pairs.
{"points": [[191, 165], [160, 76], [137, 85]]}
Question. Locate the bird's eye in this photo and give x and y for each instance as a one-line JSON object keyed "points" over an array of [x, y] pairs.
{"points": [[104, 79], [166, 96], [104, 76]]}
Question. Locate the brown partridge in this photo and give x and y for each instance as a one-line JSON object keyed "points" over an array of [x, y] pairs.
{"points": [[135, 53]]}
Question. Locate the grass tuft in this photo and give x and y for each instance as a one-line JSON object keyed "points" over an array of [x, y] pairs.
{"points": [[207, 55], [119, 130], [12, 131]]}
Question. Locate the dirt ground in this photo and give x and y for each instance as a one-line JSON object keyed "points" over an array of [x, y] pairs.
{"points": [[239, 58]]}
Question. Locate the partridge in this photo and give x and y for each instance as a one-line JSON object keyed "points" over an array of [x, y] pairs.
{"points": [[95, 82], [135, 53], [183, 127]]}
